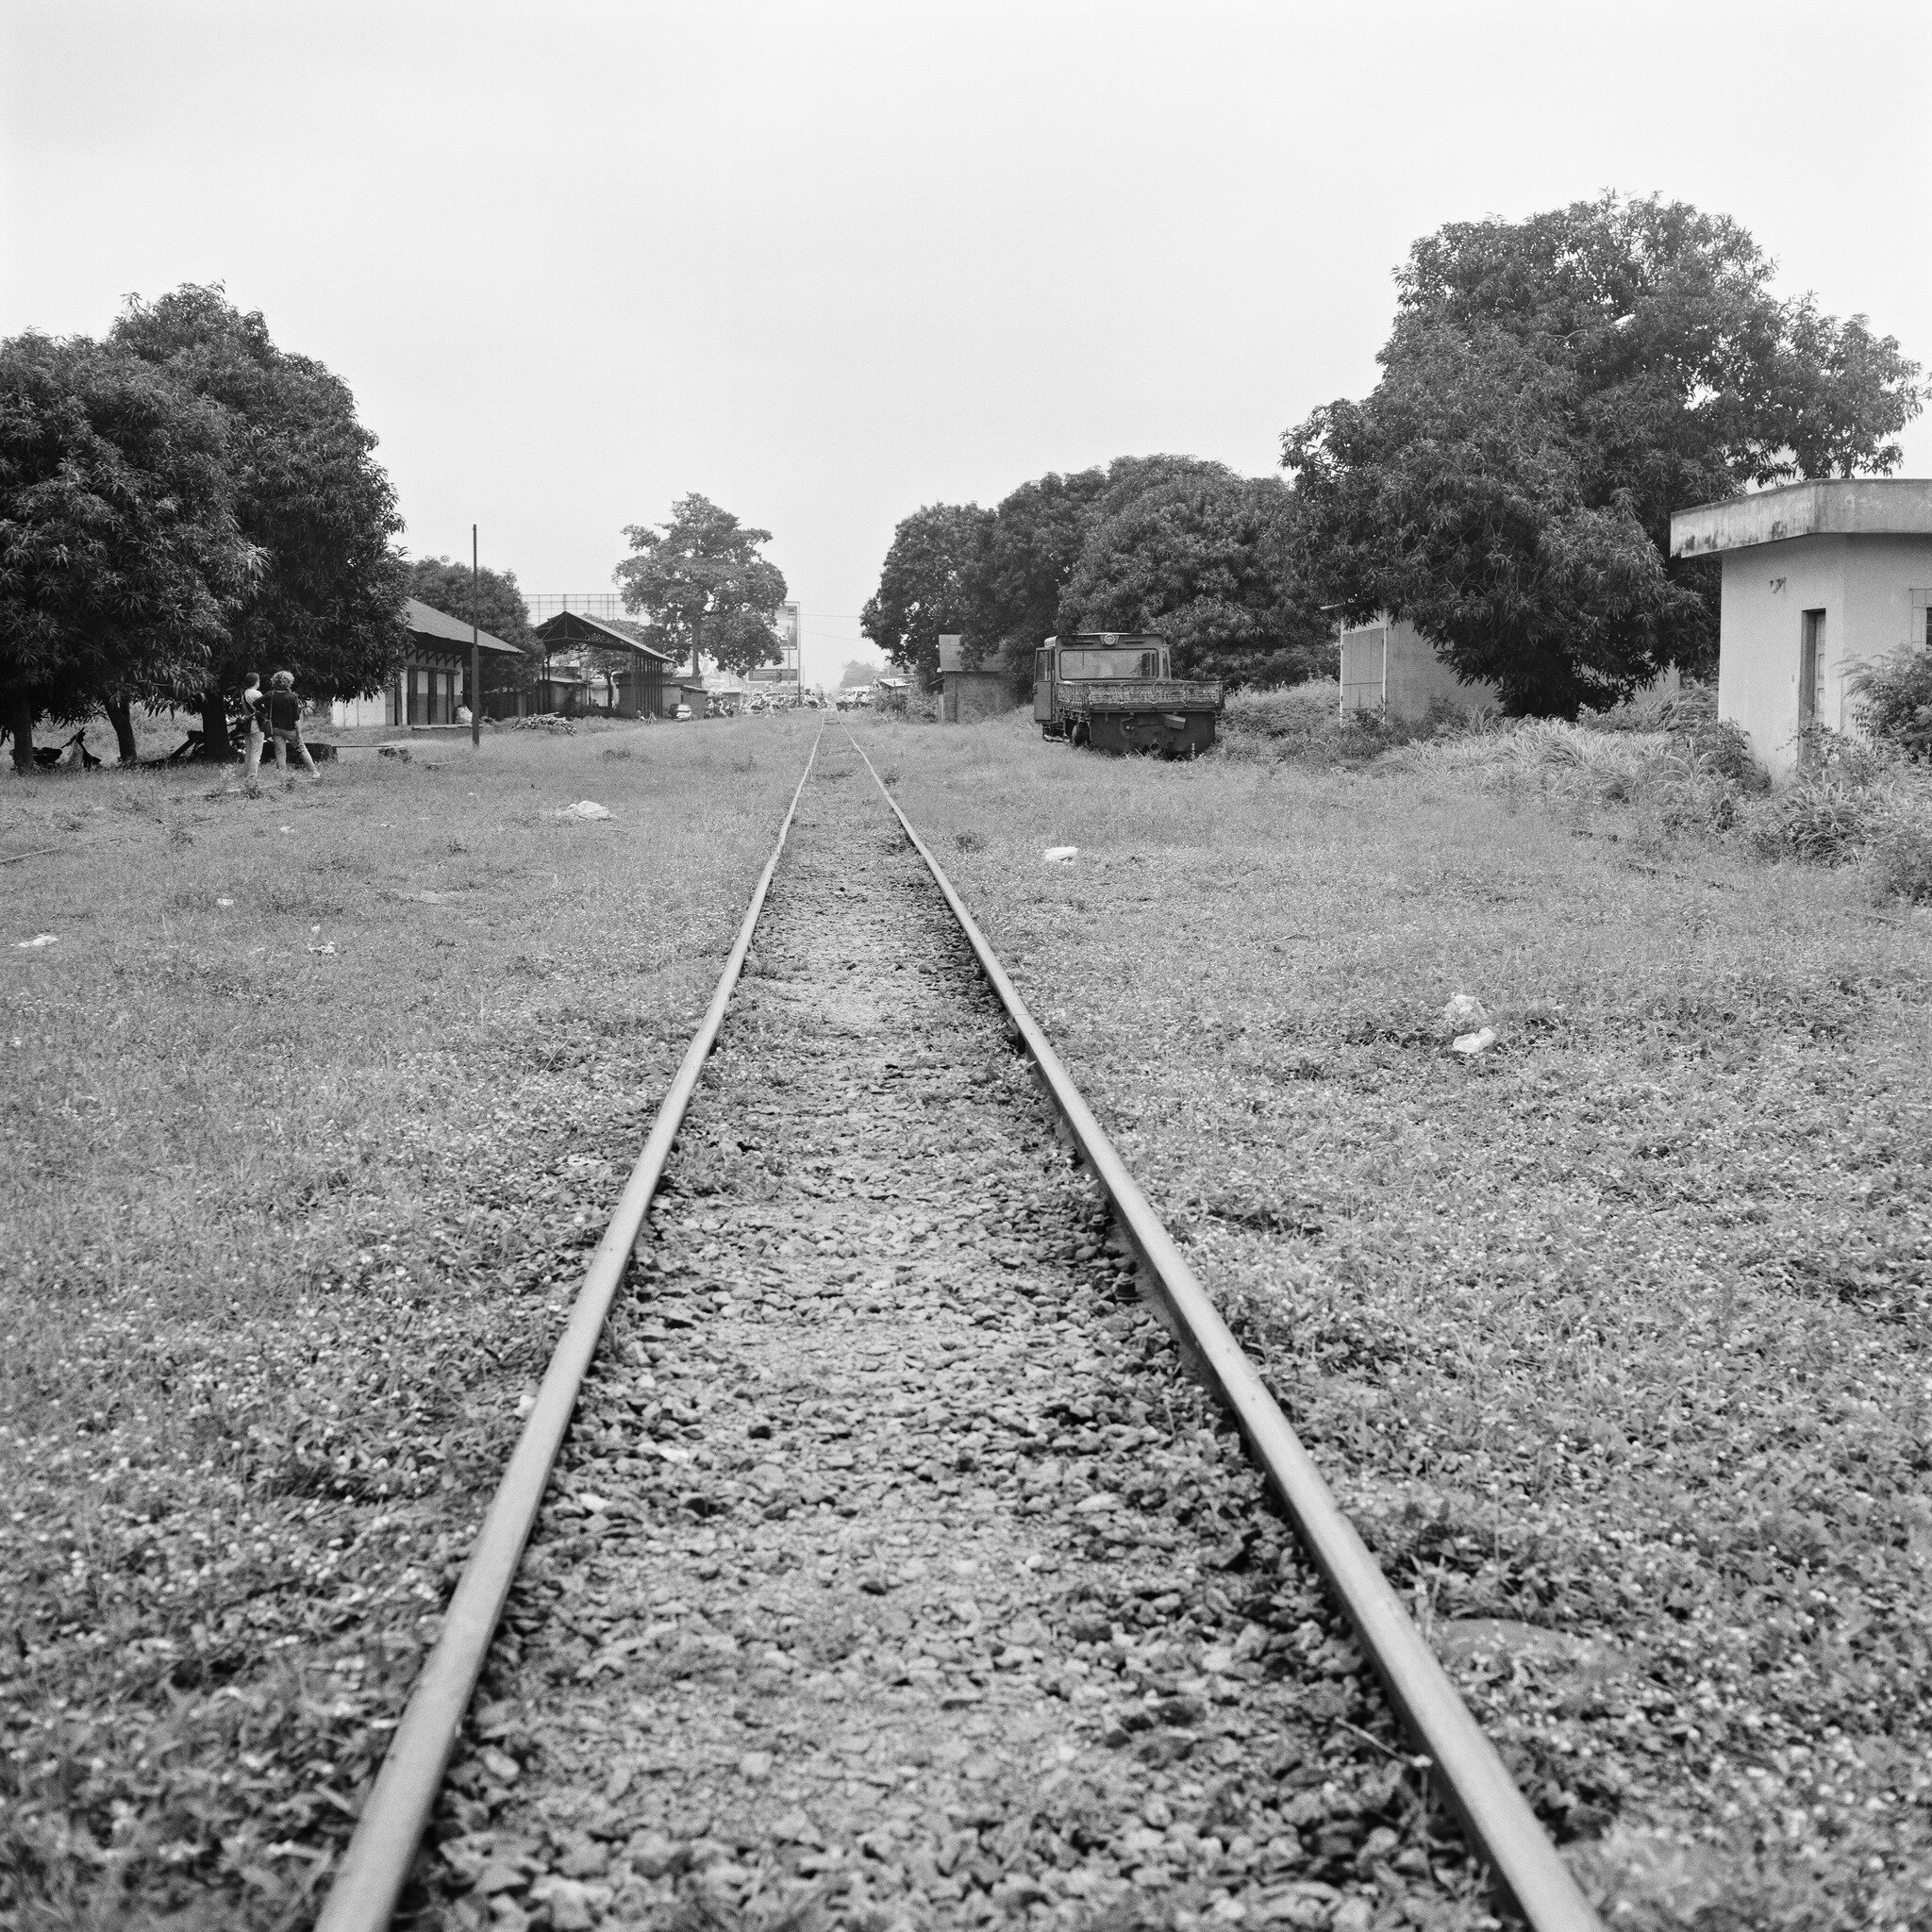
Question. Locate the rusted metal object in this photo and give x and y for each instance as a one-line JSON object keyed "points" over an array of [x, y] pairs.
{"points": [[1116, 692], [1495, 1816], [377, 1866]]}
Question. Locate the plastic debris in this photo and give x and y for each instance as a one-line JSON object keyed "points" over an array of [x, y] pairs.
{"points": [[1470, 1045], [584, 808], [1465, 1013], [40, 938], [224, 902], [1060, 855]]}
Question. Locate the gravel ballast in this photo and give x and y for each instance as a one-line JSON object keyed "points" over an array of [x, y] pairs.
{"points": [[895, 1572]]}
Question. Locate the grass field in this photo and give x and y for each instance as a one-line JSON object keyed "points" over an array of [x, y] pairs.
{"points": [[1612, 1341], [311, 1106]]}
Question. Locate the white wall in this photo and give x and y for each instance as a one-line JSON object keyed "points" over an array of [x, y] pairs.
{"points": [[1395, 665], [1864, 585]]}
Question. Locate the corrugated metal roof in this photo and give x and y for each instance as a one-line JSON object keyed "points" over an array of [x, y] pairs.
{"points": [[426, 621], [569, 626]]}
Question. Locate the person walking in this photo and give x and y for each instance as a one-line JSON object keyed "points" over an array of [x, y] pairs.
{"points": [[284, 721]]}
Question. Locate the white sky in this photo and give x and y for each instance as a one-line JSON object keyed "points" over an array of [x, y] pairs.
{"points": [[826, 262]]}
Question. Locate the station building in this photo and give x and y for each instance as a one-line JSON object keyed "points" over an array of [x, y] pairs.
{"points": [[1818, 579], [435, 676]]}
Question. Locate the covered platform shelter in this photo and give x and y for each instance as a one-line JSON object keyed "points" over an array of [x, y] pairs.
{"points": [[640, 689]]}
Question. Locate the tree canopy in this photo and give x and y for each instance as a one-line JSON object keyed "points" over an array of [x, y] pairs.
{"points": [[1027, 555], [926, 587], [1166, 544], [1552, 389], [310, 494], [703, 580], [121, 557], [1205, 557]]}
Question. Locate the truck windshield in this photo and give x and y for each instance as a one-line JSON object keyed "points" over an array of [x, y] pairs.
{"points": [[1110, 663]]}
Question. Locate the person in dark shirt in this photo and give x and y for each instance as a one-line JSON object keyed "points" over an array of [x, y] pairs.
{"points": [[284, 723]]}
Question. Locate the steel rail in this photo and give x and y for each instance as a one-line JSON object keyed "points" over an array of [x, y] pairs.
{"points": [[393, 1818], [1494, 1814]]}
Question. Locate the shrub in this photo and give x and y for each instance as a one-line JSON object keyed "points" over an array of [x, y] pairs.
{"points": [[1894, 701], [1823, 818], [1305, 723], [1901, 861]]}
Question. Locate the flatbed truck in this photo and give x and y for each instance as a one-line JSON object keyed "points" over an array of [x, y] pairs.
{"points": [[1116, 690]]}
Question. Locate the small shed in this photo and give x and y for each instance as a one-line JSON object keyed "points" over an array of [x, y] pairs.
{"points": [[588, 648], [1391, 666], [434, 678], [1818, 579], [967, 695]]}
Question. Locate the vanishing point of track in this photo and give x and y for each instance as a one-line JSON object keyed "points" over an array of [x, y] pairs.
{"points": [[1005, 1539]]}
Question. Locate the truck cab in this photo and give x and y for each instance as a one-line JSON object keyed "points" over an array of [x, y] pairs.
{"points": [[1116, 690]]}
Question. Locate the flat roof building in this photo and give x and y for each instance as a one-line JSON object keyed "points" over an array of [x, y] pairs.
{"points": [[967, 695], [1390, 666], [1818, 579]]}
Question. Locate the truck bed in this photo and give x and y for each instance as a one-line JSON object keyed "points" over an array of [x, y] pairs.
{"points": [[1138, 694]]}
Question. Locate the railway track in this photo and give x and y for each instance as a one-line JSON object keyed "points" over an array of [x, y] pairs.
{"points": [[897, 1567]]}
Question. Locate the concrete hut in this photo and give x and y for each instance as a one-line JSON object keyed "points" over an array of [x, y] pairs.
{"points": [[1391, 666], [1819, 579], [967, 695]]}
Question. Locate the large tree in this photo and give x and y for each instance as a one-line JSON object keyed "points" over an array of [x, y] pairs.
{"points": [[1204, 556], [121, 559], [704, 580], [1027, 552], [310, 494], [1552, 389], [492, 600], [927, 588]]}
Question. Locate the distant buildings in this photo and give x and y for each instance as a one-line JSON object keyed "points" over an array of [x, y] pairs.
{"points": [[1819, 579], [785, 670]]}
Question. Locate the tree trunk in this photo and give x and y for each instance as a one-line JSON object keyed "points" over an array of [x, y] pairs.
{"points": [[697, 632], [214, 728], [17, 713], [121, 716]]}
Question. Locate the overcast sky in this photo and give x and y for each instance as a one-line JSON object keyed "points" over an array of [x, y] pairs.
{"points": [[826, 262]]}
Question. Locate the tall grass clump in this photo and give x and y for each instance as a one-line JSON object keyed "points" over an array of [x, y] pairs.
{"points": [[1894, 702], [1305, 723]]}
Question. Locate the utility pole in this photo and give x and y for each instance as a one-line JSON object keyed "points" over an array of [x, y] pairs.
{"points": [[475, 650]]}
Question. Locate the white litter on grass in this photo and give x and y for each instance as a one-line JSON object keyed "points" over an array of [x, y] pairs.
{"points": [[1060, 855], [1465, 1013], [1470, 1045], [40, 938], [584, 808], [224, 902]]}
